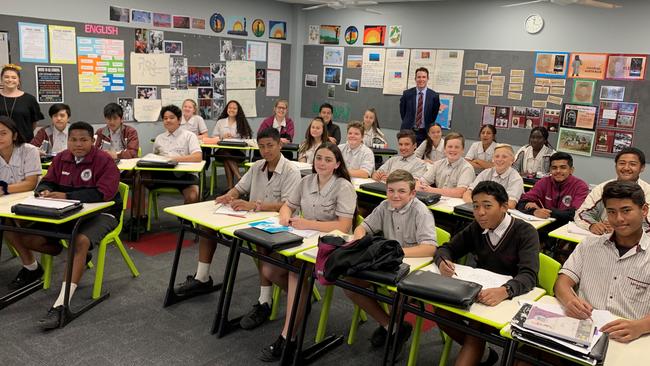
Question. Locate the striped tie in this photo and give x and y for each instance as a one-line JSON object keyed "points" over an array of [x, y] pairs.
{"points": [[418, 114]]}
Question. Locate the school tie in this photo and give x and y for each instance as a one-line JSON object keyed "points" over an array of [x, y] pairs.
{"points": [[418, 114]]}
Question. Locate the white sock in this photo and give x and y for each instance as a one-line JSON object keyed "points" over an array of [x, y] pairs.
{"points": [[203, 272], [59, 300], [31, 267], [486, 353], [266, 295]]}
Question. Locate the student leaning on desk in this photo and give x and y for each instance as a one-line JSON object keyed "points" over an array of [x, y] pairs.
{"points": [[84, 173], [406, 219], [501, 244], [327, 200], [268, 184], [611, 272]]}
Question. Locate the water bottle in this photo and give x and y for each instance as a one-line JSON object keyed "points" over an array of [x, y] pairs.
{"points": [[45, 147]]}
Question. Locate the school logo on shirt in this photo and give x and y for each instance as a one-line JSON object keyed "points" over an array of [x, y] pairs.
{"points": [[86, 174], [566, 200]]}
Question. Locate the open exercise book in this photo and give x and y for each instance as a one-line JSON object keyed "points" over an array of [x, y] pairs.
{"points": [[485, 278]]}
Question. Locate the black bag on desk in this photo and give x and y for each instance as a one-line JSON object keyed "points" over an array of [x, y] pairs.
{"points": [[233, 143], [271, 241], [156, 164], [370, 253], [438, 288], [466, 209], [380, 187], [49, 212], [383, 151], [290, 147], [385, 277]]}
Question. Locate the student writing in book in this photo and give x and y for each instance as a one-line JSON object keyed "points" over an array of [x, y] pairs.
{"points": [[404, 218], [315, 135], [501, 244], [327, 200], [56, 134], [84, 173], [268, 184], [117, 139], [358, 157], [610, 272], [405, 160], [452, 175], [592, 216], [502, 173], [480, 154]]}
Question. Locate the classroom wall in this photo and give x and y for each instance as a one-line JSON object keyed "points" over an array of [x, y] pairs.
{"points": [[474, 24]]}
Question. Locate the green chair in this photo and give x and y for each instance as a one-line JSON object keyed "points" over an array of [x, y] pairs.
{"points": [[112, 237]]}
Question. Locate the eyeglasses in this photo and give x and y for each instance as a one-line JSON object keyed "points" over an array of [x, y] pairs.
{"points": [[282, 108]]}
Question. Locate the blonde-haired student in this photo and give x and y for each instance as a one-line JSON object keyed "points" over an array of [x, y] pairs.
{"points": [[452, 175]]}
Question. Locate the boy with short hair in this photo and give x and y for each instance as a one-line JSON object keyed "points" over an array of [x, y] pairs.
{"points": [[56, 134], [406, 219], [326, 112], [81, 172], [406, 159], [452, 175], [358, 157], [117, 139]]}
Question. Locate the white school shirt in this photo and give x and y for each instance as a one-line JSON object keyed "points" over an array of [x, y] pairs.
{"points": [[25, 161], [337, 198], [533, 164], [196, 124], [476, 151], [257, 185], [181, 142], [59, 140], [510, 180], [222, 127], [359, 158], [437, 153]]}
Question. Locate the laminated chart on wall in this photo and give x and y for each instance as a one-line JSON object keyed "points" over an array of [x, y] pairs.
{"points": [[150, 69], [396, 70], [32, 42], [100, 63], [63, 48], [421, 58]]}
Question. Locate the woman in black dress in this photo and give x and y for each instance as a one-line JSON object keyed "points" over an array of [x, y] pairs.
{"points": [[18, 105]]}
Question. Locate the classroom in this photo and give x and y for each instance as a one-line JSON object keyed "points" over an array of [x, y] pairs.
{"points": [[473, 152]]}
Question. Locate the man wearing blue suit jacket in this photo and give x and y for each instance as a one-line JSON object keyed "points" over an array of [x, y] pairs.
{"points": [[419, 106]]}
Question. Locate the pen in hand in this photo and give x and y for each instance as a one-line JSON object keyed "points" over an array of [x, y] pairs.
{"points": [[448, 265]]}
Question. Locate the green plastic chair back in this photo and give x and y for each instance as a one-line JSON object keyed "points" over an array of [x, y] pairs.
{"points": [[548, 272]]}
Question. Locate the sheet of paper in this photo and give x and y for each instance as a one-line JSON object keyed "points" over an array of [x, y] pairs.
{"points": [[481, 66], [301, 165], [483, 78], [539, 103], [246, 98], [100, 62], [63, 46], [554, 100], [483, 277], [146, 110], [523, 216], [149, 69], [49, 202], [33, 42], [448, 72], [273, 83], [451, 201], [575, 229], [556, 90], [240, 75], [274, 60], [4, 48], [514, 96], [471, 73], [421, 58], [372, 69], [256, 51], [515, 87], [494, 70], [177, 96], [272, 225], [333, 56], [359, 181], [228, 210], [516, 73], [469, 93], [395, 70]]}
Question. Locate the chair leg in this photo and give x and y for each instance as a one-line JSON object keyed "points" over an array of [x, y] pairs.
{"points": [[446, 349], [12, 250], [213, 176], [99, 271], [150, 201], [126, 257], [46, 263], [324, 313], [352, 335], [415, 343], [316, 294], [155, 205], [275, 307], [363, 316]]}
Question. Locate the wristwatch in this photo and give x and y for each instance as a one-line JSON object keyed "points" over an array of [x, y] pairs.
{"points": [[4, 186], [509, 291]]}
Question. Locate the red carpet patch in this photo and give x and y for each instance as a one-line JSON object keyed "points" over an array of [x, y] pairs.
{"points": [[158, 243]]}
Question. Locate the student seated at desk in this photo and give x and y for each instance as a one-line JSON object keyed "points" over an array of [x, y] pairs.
{"points": [[20, 165], [327, 201], [326, 111], [280, 121], [502, 173], [84, 173], [177, 144], [191, 120], [56, 134], [432, 148], [558, 195], [592, 216], [533, 159], [372, 134], [480, 154], [117, 139], [267, 184], [232, 124], [315, 135], [405, 160], [611, 271], [501, 244], [358, 157], [406, 219], [452, 175]]}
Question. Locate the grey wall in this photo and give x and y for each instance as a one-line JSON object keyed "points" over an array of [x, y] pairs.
{"points": [[473, 24]]}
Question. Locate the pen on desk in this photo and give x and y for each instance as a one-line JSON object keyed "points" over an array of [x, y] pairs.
{"points": [[447, 263]]}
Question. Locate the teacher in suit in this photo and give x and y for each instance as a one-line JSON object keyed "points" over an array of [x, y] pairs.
{"points": [[419, 106]]}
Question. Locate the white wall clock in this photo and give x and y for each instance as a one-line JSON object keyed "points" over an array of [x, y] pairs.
{"points": [[534, 23]]}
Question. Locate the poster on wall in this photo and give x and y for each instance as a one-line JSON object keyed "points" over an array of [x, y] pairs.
{"points": [[587, 65], [617, 115], [578, 142], [329, 34], [395, 71], [372, 69], [4, 48], [579, 116], [63, 49], [374, 35], [149, 69], [445, 111], [447, 74], [583, 91], [626, 67], [551, 64], [421, 58], [100, 63], [32, 39], [49, 84]]}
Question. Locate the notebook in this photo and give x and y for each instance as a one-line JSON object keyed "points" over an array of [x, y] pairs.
{"points": [[46, 207], [271, 241]]}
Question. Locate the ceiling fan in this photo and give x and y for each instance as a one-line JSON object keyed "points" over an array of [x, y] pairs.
{"points": [[343, 4], [594, 3]]}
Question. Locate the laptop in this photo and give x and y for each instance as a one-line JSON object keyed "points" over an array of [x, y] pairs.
{"points": [[271, 241], [379, 187]]}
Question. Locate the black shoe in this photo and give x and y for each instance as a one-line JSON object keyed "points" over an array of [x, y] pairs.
{"points": [[378, 338], [492, 359], [256, 317], [404, 334], [192, 286], [52, 319], [273, 352], [26, 277]]}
